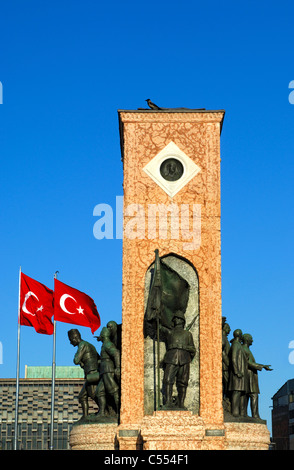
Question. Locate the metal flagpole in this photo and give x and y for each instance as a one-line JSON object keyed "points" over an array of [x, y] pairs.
{"points": [[17, 368], [157, 285], [53, 381]]}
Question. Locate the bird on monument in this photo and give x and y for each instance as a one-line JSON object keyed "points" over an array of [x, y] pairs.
{"points": [[152, 105]]}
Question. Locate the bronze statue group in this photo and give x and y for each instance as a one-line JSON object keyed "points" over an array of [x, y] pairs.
{"points": [[102, 371], [240, 374]]}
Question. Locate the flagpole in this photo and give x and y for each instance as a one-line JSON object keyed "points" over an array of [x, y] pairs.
{"points": [[17, 367], [158, 311], [53, 382]]}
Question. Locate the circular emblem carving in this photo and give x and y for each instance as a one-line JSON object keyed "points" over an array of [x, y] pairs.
{"points": [[171, 169]]}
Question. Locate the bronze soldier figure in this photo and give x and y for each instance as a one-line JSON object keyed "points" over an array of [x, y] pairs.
{"points": [[88, 358], [180, 350], [109, 372]]}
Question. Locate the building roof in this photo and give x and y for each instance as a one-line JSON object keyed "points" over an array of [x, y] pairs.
{"points": [[61, 372], [286, 389]]}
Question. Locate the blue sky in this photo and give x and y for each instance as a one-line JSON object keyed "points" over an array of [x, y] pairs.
{"points": [[66, 68]]}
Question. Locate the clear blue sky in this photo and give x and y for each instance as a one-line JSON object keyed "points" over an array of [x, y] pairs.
{"points": [[66, 67]]}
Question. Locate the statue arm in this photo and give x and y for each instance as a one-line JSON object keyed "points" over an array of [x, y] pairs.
{"points": [[163, 330], [191, 346], [115, 354], [255, 366], [78, 355]]}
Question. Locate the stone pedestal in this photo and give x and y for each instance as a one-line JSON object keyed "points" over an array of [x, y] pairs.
{"points": [[171, 430], [179, 430], [94, 437], [247, 436]]}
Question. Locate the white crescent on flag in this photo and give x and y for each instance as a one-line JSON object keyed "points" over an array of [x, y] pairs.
{"points": [[24, 306], [62, 304]]}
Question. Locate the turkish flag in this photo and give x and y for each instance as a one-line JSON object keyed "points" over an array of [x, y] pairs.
{"points": [[36, 305], [75, 307]]}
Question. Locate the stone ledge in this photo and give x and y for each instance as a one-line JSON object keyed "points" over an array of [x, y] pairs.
{"points": [[171, 430], [94, 437], [247, 436]]}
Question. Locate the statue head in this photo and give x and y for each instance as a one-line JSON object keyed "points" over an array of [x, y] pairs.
{"points": [[179, 318], [226, 328], [74, 337], [112, 326], [247, 339], [238, 334], [105, 334]]}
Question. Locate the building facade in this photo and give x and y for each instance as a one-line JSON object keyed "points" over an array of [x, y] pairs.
{"points": [[283, 417], [34, 415]]}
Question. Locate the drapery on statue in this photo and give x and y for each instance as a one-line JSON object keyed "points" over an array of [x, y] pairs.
{"points": [[165, 321], [238, 371], [88, 358]]}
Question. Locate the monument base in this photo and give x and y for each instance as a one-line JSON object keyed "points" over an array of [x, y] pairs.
{"points": [[179, 430], [247, 436], [100, 436], [171, 430]]}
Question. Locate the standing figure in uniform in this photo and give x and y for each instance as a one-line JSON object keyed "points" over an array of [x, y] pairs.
{"points": [[109, 372], [180, 350], [88, 358]]}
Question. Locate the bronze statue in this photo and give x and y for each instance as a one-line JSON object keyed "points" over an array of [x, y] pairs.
{"points": [[180, 350], [115, 333], [88, 358], [252, 377], [108, 385], [238, 371], [225, 357]]}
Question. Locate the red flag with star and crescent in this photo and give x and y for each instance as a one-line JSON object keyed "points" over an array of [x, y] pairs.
{"points": [[75, 307], [36, 305]]}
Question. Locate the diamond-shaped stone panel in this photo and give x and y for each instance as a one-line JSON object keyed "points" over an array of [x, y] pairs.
{"points": [[190, 169]]}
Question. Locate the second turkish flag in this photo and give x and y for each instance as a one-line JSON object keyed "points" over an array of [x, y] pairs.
{"points": [[75, 307]]}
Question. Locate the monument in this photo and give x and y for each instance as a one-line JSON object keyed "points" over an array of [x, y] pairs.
{"points": [[176, 386]]}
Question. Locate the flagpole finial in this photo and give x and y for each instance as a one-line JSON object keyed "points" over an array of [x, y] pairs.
{"points": [[55, 274]]}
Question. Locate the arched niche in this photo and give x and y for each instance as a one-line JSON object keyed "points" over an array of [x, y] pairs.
{"points": [[187, 272]]}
